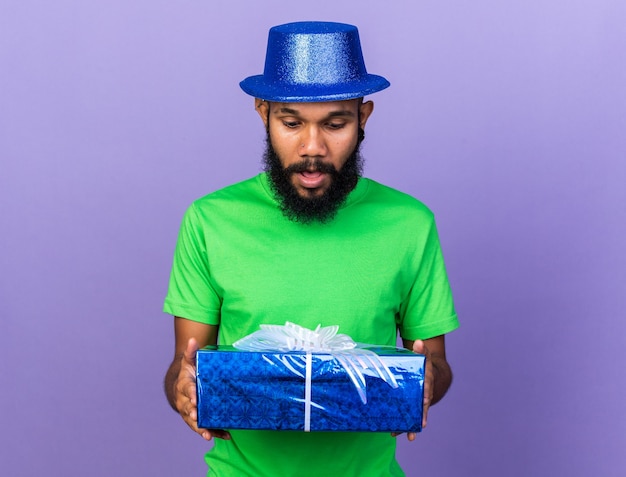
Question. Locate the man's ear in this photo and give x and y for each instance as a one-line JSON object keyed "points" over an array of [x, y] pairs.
{"points": [[263, 108], [365, 110]]}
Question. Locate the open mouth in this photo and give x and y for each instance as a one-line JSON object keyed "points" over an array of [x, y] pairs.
{"points": [[312, 180]]}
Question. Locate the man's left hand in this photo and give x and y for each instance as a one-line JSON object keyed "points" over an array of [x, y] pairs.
{"points": [[437, 376]]}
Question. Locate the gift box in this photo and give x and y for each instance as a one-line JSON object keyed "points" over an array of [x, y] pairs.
{"points": [[310, 391]]}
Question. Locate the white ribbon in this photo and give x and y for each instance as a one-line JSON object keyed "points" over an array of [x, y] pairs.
{"points": [[307, 393], [291, 337]]}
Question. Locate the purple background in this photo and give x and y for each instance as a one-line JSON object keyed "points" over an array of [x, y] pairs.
{"points": [[506, 118]]}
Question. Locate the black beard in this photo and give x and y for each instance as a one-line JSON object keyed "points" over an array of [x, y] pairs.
{"points": [[322, 208]]}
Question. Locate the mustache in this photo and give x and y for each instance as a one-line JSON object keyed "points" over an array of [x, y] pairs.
{"points": [[311, 165]]}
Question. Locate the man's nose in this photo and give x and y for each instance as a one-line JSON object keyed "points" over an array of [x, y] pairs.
{"points": [[312, 143]]}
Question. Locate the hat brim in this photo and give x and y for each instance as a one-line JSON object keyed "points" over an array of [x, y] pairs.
{"points": [[258, 87]]}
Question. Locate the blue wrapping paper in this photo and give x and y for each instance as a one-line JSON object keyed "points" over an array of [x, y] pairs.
{"points": [[266, 391]]}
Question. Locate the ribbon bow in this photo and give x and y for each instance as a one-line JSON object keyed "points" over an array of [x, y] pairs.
{"points": [[291, 337]]}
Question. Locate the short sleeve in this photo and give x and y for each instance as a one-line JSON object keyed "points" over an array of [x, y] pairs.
{"points": [[190, 293], [428, 310]]}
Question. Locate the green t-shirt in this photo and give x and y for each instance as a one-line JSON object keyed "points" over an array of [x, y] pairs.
{"points": [[376, 268]]}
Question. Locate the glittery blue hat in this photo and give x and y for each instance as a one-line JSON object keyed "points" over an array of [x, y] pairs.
{"points": [[313, 62]]}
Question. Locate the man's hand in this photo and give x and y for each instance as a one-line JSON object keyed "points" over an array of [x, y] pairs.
{"points": [[420, 347], [185, 393], [180, 386], [437, 376]]}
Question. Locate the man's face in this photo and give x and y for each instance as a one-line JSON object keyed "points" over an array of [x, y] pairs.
{"points": [[312, 154]]}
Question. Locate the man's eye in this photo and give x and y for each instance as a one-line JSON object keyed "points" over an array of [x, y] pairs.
{"points": [[291, 124], [335, 125]]}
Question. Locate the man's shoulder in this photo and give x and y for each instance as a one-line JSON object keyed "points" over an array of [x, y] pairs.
{"points": [[390, 197], [248, 188], [241, 199]]}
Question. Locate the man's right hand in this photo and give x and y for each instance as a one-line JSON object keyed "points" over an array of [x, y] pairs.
{"points": [[185, 400]]}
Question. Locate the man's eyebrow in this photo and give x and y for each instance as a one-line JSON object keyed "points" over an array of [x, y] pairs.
{"points": [[332, 114], [286, 110], [343, 112]]}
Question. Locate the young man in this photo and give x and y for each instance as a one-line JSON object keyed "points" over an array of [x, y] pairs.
{"points": [[312, 242]]}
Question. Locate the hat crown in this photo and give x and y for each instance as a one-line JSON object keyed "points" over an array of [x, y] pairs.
{"points": [[313, 61], [314, 53]]}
